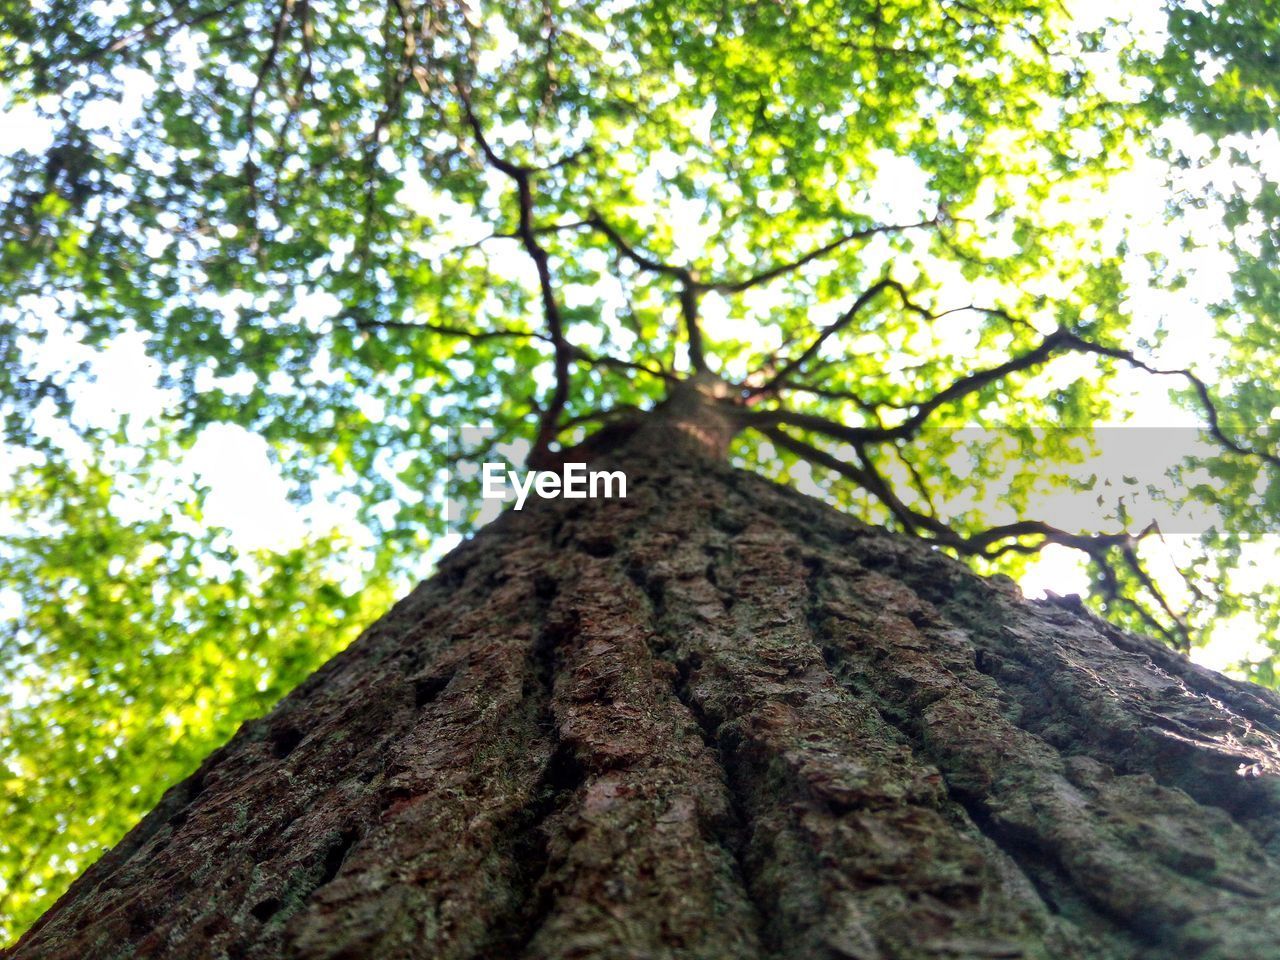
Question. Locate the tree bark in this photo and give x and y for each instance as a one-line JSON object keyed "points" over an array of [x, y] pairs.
{"points": [[716, 719]]}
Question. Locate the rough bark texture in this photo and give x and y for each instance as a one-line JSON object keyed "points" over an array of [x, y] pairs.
{"points": [[714, 720]]}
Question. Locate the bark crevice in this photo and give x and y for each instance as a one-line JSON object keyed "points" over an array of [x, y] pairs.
{"points": [[733, 831]]}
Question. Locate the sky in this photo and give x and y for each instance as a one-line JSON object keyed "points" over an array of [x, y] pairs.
{"points": [[249, 497]]}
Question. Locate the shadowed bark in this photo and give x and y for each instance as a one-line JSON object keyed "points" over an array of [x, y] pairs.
{"points": [[714, 720]]}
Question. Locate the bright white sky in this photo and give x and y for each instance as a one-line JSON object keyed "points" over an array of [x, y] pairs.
{"points": [[248, 494]]}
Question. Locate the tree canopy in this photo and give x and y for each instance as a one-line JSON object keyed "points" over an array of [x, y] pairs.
{"points": [[355, 228]]}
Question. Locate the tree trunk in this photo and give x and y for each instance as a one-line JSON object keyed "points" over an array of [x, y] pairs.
{"points": [[716, 719]]}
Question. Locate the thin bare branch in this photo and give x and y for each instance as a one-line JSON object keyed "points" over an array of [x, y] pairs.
{"points": [[782, 269], [605, 360], [528, 236], [985, 543], [642, 260], [151, 30], [781, 378], [830, 330], [1199, 386], [444, 329], [690, 288], [265, 67], [1183, 633], [962, 387]]}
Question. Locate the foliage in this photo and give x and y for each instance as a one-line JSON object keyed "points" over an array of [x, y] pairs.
{"points": [[1218, 76], [355, 228], [138, 645]]}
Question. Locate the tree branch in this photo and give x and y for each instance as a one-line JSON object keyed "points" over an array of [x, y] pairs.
{"points": [[605, 360], [962, 387], [692, 328], [528, 237], [746, 283], [795, 363], [976, 544], [265, 67], [690, 288], [1183, 635], [151, 30], [369, 323], [780, 379], [1199, 386], [642, 260]]}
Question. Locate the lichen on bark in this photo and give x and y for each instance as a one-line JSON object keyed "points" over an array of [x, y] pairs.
{"points": [[714, 720]]}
